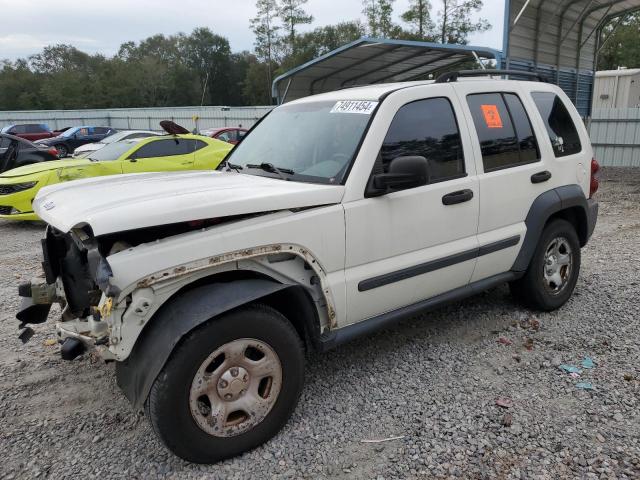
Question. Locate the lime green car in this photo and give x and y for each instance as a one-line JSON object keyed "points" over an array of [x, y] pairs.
{"points": [[18, 187]]}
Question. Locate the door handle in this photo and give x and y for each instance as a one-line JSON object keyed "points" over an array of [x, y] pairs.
{"points": [[457, 197], [540, 177]]}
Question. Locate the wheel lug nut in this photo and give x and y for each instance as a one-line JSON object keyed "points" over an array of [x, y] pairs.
{"points": [[234, 372], [227, 396], [223, 384]]}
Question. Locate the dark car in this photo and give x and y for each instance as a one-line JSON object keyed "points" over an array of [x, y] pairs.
{"points": [[74, 137], [226, 134], [16, 152], [31, 131]]}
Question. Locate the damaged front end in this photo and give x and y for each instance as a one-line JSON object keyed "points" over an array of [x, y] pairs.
{"points": [[76, 275]]}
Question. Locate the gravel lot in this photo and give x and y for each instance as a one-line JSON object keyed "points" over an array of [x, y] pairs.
{"points": [[433, 380]]}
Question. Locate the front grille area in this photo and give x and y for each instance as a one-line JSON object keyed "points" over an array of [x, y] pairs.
{"points": [[5, 210]]}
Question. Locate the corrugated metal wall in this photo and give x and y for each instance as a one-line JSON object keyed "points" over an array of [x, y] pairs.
{"points": [[578, 91], [615, 135], [140, 118]]}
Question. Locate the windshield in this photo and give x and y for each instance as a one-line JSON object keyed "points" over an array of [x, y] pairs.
{"points": [[113, 151], [116, 137], [70, 132], [316, 141]]}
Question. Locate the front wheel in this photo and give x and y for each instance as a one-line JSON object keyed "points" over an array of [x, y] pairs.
{"points": [[229, 386], [553, 272]]}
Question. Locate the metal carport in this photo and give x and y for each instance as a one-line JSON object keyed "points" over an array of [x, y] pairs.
{"points": [[561, 39], [372, 60]]}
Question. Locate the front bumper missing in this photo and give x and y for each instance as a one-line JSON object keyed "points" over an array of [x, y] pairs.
{"points": [[83, 332], [76, 335]]}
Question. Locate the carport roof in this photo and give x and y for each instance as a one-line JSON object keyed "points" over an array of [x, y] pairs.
{"points": [[560, 33], [373, 60]]}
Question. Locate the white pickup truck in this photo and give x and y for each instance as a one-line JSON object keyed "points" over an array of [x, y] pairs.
{"points": [[337, 215]]}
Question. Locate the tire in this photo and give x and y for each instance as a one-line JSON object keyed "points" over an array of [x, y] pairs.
{"points": [[540, 288], [62, 151], [178, 411]]}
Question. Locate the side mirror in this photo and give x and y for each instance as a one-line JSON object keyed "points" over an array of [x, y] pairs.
{"points": [[404, 173]]}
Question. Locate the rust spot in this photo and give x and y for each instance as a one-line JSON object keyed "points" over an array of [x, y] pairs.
{"points": [[240, 255]]}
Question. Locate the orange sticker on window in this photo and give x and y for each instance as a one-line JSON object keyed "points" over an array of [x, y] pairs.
{"points": [[491, 116]]}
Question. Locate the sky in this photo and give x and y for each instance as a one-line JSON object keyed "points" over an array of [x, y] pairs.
{"points": [[101, 26]]}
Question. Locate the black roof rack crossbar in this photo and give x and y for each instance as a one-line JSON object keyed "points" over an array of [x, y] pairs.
{"points": [[453, 76]]}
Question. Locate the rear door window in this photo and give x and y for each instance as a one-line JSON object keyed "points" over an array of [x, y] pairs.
{"points": [[504, 130], [560, 127]]}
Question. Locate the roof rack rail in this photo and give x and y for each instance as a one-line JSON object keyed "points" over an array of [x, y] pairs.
{"points": [[453, 76]]}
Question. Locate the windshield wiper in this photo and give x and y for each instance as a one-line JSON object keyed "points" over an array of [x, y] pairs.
{"points": [[271, 168], [230, 166]]}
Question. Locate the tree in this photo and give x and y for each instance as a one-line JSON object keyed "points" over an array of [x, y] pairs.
{"points": [[621, 47], [321, 40], [419, 17], [255, 90], [378, 14], [454, 22], [266, 31], [292, 15], [209, 55]]}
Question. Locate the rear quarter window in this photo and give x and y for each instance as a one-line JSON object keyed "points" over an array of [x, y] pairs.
{"points": [[563, 133]]}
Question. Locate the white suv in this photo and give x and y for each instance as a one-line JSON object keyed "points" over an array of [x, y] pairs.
{"points": [[337, 215]]}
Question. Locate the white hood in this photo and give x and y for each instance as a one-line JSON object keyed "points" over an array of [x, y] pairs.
{"points": [[126, 202]]}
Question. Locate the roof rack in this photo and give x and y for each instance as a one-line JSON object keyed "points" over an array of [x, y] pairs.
{"points": [[453, 76]]}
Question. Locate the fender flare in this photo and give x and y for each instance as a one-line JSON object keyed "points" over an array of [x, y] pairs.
{"points": [[180, 315], [543, 207]]}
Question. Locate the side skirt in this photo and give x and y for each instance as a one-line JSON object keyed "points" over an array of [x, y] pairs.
{"points": [[351, 332]]}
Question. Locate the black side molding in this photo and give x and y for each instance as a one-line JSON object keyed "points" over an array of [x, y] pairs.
{"points": [[416, 270], [350, 332], [433, 265]]}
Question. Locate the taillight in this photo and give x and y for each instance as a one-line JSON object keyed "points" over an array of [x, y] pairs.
{"points": [[594, 184], [53, 151]]}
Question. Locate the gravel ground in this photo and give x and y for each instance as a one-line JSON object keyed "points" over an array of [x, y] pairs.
{"points": [[433, 380]]}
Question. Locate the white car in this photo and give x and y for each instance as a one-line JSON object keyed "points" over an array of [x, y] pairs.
{"points": [[84, 150], [207, 288]]}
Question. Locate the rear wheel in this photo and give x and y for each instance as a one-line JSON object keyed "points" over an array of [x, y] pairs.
{"points": [[230, 385], [62, 151], [553, 272]]}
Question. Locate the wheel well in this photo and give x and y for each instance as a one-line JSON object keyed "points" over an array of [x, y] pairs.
{"points": [[577, 217], [292, 302], [296, 304]]}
